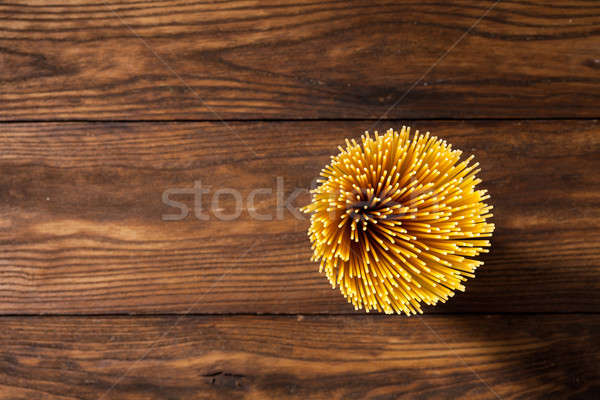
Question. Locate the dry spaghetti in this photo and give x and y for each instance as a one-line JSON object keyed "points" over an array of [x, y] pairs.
{"points": [[396, 220]]}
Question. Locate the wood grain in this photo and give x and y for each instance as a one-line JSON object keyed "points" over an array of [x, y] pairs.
{"points": [[350, 357], [335, 59], [81, 227]]}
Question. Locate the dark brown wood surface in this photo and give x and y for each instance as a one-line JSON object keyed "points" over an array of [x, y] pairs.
{"points": [[107, 105], [82, 228], [250, 357], [335, 59]]}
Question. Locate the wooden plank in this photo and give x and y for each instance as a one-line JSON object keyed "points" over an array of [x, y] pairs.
{"points": [[335, 59], [81, 228], [350, 357]]}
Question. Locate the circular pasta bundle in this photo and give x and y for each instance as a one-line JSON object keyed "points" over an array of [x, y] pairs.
{"points": [[396, 221]]}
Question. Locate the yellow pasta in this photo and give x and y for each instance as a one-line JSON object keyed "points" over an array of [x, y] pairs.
{"points": [[396, 221]]}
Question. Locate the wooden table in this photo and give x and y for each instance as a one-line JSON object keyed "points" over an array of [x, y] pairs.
{"points": [[105, 106]]}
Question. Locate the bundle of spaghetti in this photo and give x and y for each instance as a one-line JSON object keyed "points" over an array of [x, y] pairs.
{"points": [[396, 221]]}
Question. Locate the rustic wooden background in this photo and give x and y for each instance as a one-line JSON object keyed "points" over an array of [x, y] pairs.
{"points": [[105, 105]]}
